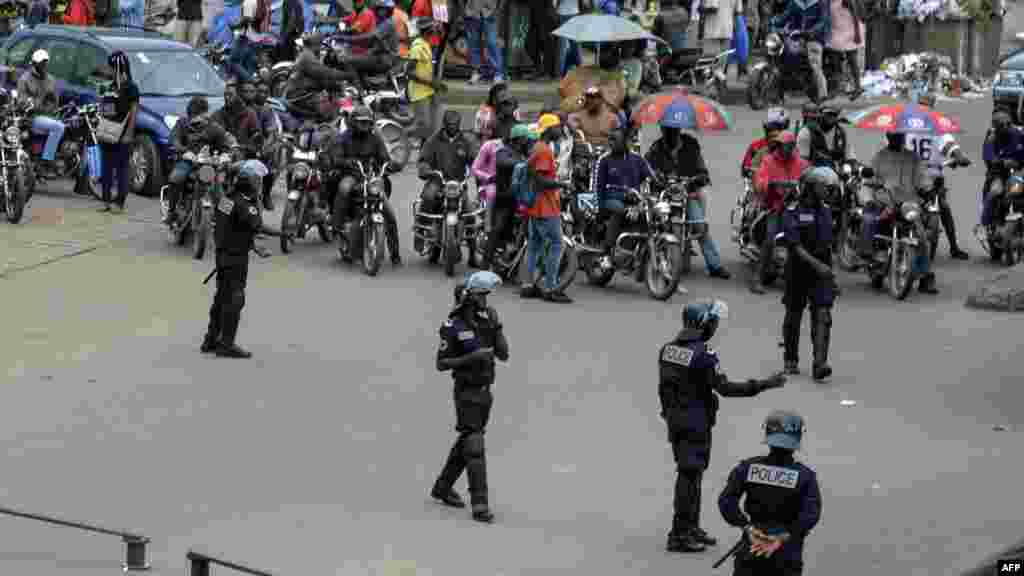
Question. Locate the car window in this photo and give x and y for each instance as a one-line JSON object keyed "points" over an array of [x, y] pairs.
{"points": [[93, 67], [17, 54], [1014, 62], [62, 57]]}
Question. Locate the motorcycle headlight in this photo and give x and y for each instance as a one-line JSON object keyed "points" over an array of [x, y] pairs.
{"points": [[171, 120], [1015, 186], [300, 171], [376, 188], [13, 135], [910, 211], [207, 174], [663, 209], [452, 190], [773, 43], [847, 170]]}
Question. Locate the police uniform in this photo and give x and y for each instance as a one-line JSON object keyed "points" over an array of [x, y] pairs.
{"points": [[460, 336], [238, 221], [811, 228], [782, 496], [690, 380]]}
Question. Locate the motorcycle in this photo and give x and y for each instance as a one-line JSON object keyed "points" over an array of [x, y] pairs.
{"points": [[784, 69], [304, 197], [1004, 238], [193, 214], [509, 256], [584, 163], [443, 235], [750, 223], [15, 165], [690, 66], [367, 234], [647, 249], [843, 202], [900, 246], [686, 230]]}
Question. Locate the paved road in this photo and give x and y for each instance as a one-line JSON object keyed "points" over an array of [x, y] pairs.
{"points": [[316, 456]]}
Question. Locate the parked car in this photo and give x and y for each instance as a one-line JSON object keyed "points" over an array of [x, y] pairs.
{"points": [[1008, 87], [168, 73]]}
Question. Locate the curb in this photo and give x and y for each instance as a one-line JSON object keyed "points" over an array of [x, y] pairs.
{"points": [[460, 95]]}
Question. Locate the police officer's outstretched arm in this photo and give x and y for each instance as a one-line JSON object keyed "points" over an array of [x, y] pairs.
{"points": [[751, 387]]}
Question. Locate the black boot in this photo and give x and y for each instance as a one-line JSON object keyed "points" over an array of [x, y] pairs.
{"points": [[210, 344], [821, 336], [949, 225], [791, 339], [482, 513], [229, 329], [927, 284], [447, 496], [686, 543], [703, 537]]}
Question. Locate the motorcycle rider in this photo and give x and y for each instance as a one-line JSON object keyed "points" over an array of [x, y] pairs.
{"points": [[271, 129], [506, 116], [448, 151], [516, 149], [776, 121], [594, 116], [781, 165], [934, 152], [678, 154], [616, 171], [384, 44], [244, 61], [1003, 151], [39, 86], [904, 173], [191, 134], [310, 77], [821, 124], [813, 20], [359, 143], [240, 120]]}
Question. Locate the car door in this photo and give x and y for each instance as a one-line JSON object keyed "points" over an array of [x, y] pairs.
{"points": [[92, 73], [63, 56], [16, 57]]}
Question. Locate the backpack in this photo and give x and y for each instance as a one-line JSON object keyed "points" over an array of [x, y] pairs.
{"points": [[522, 191]]}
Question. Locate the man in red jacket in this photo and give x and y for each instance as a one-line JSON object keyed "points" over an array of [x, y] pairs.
{"points": [[775, 123], [781, 165]]}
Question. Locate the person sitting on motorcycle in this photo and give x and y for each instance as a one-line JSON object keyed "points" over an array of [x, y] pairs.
{"points": [[310, 77], [271, 129], [384, 44], [593, 116], [244, 61], [783, 164], [813, 21], [451, 153], [679, 154], [821, 124], [904, 174], [39, 86], [191, 134], [358, 143], [617, 171], [776, 122], [515, 149], [1003, 152], [506, 115]]}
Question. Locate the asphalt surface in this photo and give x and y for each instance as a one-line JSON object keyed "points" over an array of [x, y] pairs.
{"points": [[316, 456]]}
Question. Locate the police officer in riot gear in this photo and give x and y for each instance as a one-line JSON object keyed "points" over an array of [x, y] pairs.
{"points": [[238, 222], [471, 338], [782, 504], [690, 381], [810, 280]]}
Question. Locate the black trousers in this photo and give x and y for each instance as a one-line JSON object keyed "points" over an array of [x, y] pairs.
{"points": [[115, 159], [542, 45], [746, 564], [615, 219], [686, 501], [946, 216], [502, 215], [801, 293], [228, 301], [472, 411]]}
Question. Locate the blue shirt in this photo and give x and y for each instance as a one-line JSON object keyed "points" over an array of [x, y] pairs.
{"points": [[1011, 148], [614, 172]]}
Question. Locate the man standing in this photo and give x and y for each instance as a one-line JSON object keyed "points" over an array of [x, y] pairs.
{"points": [[568, 50], [782, 504], [471, 338], [423, 86], [190, 22], [516, 145], [293, 23], [482, 29], [689, 383]]}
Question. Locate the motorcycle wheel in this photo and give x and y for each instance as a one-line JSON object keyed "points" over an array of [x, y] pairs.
{"points": [[757, 91], [452, 251], [901, 274], [664, 268], [290, 224], [202, 221], [596, 275], [847, 252], [373, 249], [15, 203], [568, 265]]}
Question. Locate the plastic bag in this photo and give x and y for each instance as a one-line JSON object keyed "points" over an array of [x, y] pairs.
{"points": [[94, 161]]}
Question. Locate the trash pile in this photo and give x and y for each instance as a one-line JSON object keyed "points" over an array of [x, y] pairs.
{"points": [[908, 75], [922, 9]]}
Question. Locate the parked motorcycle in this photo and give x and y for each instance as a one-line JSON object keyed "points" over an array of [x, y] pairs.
{"points": [[900, 246], [646, 249], [441, 236], [15, 165], [784, 68], [690, 66], [843, 202], [1002, 238], [688, 231], [750, 224], [366, 235], [300, 213], [201, 193]]}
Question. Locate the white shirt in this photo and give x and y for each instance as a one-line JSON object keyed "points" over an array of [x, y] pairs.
{"points": [[933, 151]]}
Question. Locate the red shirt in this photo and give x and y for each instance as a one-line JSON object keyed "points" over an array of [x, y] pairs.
{"points": [[425, 8], [549, 202], [364, 23], [773, 169], [752, 151]]}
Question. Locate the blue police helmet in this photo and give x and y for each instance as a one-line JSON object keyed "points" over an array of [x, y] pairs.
{"points": [[483, 282], [784, 429], [697, 315], [252, 169]]}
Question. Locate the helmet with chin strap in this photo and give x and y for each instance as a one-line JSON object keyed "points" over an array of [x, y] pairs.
{"points": [[704, 316]]}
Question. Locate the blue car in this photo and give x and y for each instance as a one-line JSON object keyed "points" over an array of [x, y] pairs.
{"points": [[168, 73], [1008, 87]]}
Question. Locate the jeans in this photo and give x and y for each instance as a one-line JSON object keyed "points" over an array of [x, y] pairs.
{"points": [[115, 159], [544, 230], [713, 260], [488, 28], [177, 178], [568, 50], [54, 130]]}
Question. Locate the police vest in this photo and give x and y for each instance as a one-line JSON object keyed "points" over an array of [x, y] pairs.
{"points": [[687, 368]]}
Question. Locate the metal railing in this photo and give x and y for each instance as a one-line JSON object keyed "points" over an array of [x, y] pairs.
{"points": [[199, 565], [135, 544]]}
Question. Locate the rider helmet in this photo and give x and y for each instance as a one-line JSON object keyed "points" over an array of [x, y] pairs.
{"points": [[777, 120], [362, 119], [40, 56], [810, 111], [704, 315], [822, 180], [784, 429]]}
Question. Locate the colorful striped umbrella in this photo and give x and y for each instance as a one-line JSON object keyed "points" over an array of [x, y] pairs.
{"points": [[681, 109], [905, 117]]}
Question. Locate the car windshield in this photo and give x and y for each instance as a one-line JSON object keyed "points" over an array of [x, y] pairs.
{"points": [[174, 73]]}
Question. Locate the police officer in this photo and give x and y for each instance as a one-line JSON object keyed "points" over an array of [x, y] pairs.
{"points": [[471, 338], [783, 502], [689, 383], [238, 222], [807, 232]]}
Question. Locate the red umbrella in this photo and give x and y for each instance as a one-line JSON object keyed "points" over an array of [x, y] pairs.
{"points": [[905, 117], [651, 109], [684, 110]]}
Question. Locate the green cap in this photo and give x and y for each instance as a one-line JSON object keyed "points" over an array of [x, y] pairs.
{"points": [[521, 131]]}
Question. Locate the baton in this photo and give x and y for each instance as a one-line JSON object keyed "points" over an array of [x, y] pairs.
{"points": [[735, 548], [210, 275]]}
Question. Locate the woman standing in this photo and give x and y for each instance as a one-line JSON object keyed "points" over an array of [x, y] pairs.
{"points": [[115, 156], [847, 38]]}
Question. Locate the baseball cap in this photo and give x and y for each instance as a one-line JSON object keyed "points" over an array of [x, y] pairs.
{"points": [[547, 121], [521, 131]]}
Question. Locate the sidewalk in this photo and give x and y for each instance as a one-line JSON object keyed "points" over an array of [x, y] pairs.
{"points": [[530, 94]]}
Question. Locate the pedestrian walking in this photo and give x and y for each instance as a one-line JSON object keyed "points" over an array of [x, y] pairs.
{"points": [[423, 85], [190, 22], [847, 38], [121, 108], [810, 280], [781, 499], [568, 50], [471, 338], [482, 30], [718, 18], [690, 380], [238, 221], [542, 46]]}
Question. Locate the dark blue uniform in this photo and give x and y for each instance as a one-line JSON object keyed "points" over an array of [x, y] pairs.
{"points": [[690, 381], [782, 495], [812, 229], [237, 222], [472, 395]]}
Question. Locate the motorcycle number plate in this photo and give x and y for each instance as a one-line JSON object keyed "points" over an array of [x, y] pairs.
{"points": [[293, 195], [377, 218], [1013, 217], [451, 219]]}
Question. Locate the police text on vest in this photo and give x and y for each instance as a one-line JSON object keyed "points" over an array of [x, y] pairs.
{"points": [[773, 476]]}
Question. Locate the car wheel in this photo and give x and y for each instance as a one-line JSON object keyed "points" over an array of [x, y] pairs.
{"points": [[145, 168]]}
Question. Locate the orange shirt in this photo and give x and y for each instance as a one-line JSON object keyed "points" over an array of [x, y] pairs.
{"points": [[402, 26], [549, 202]]}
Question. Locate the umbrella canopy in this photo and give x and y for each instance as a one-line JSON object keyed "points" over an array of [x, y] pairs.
{"points": [[683, 110], [603, 28], [905, 117]]}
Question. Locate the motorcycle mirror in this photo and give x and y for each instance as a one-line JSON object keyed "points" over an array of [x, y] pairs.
{"points": [[867, 172]]}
